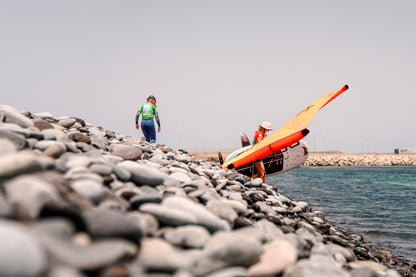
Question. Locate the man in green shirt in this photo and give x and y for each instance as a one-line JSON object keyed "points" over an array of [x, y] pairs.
{"points": [[148, 111]]}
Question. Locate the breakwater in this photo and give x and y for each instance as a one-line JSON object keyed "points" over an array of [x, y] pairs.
{"points": [[364, 159], [79, 200]]}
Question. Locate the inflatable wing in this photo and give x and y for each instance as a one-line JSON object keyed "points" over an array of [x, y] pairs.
{"points": [[288, 134]]}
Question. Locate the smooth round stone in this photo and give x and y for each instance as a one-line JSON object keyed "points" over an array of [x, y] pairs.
{"points": [[45, 144], [204, 217], [226, 249], [78, 173], [90, 188], [269, 230], [122, 174], [99, 143], [30, 194], [143, 175], [168, 215], [4, 207], [55, 226], [78, 137], [84, 147], [222, 209], [184, 159], [7, 146], [378, 267], [53, 134], [302, 205], [187, 236], [126, 152], [43, 115], [181, 177], [101, 169], [229, 272], [315, 268], [11, 115], [159, 256], [277, 256], [65, 271], [108, 223], [21, 163], [55, 150], [90, 257], [74, 160], [147, 195], [72, 147], [11, 141], [147, 223], [258, 182], [157, 158], [67, 123], [347, 253], [297, 210], [20, 254]]}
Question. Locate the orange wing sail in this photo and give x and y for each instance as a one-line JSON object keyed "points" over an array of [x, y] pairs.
{"points": [[291, 132]]}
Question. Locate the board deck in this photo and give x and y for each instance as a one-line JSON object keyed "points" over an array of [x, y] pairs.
{"points": [[283, 160]]}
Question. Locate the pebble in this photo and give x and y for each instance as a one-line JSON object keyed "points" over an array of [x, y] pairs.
{"points": [[79, 200], [20, 253]]}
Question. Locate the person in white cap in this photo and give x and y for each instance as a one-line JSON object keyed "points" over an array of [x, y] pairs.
{"points": [[259, 136]]}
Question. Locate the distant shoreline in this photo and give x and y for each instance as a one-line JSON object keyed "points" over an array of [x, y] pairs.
{"points": [[336, 158]]}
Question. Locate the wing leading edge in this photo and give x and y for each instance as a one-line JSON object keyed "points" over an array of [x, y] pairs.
{"points": [[291, 132]]}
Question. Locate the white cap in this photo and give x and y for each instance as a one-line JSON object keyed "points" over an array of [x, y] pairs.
{"points": [[266, 125]]}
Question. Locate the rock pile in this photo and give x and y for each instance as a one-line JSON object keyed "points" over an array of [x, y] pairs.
{"points": [[370, 159], [78, 200]]}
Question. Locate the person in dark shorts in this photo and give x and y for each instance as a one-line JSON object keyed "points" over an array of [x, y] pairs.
{"points": [[259, 136]]}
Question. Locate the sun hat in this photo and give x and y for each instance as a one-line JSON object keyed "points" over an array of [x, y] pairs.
{"points": [[266, 125]]}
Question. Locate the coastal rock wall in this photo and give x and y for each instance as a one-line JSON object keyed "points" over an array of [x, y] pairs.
{"points": [[368, 159], [79, 200]]}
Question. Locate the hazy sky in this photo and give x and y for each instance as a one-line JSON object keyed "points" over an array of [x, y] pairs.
{"points": [[217, 67]]}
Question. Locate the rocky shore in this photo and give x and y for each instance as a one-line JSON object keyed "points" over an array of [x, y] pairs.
{"points": [[365, 159], [336, 158], [79, 200]]}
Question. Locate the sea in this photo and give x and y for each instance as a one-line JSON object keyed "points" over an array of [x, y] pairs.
{"points": [[376, 202]]}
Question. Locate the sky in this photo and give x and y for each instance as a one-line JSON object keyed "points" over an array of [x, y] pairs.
{"points": [[217, 67]]}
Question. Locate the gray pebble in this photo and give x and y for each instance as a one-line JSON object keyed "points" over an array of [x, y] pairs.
{"points": [[20, 253]]}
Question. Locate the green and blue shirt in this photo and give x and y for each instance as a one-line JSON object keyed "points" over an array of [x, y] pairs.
{"points": [[148, 111]]}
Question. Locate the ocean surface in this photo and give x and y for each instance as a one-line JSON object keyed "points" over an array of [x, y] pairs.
{"points": [[376, 202]]}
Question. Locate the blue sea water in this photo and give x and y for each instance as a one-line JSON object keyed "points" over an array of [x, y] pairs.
{"points": [[376, 202]]}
